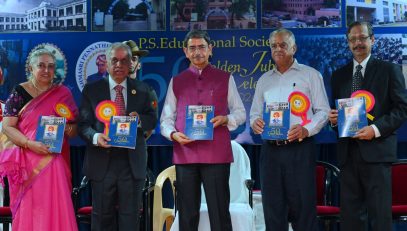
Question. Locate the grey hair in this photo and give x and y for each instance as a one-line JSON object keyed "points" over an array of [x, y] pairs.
{"points": [[117, 46], [33, 58], [290, 34]]}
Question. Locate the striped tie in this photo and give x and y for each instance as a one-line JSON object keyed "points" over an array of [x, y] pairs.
{"points": [[119, 100]]}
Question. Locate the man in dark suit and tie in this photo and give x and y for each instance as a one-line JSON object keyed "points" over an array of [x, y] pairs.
{"points": [[116, 174], [365, 159]]}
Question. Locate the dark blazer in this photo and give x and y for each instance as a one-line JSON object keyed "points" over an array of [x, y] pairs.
{"points": [[386, 82], [138, 100]]}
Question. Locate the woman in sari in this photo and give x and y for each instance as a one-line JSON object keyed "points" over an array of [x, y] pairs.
{"points": [[39, 181]]}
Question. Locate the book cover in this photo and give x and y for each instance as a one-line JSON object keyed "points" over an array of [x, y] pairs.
{"points": [[197, 122], [123, 131], [351, 115], [276, 116], [50, 131]]}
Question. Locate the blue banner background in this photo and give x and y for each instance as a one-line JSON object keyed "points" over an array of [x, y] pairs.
{"points": [[244, 53]]}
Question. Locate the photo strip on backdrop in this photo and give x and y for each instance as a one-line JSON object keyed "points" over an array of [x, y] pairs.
{"points": [[43, 16], [132, 15]]}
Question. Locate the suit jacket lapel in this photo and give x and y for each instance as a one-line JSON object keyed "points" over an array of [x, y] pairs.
{"points": [[131, 90], [369, 73], [105, 89], [347, 78]]}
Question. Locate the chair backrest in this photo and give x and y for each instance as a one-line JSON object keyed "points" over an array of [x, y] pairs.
{"points": [[320, 182], [5, 211], [160, 213], [2, 136], [239, 172], [326, 175], [399, 186]]}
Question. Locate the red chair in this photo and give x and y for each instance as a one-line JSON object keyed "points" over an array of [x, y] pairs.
{"points": [[5, 211], [327, 189], [83, 214], [399, 191]]}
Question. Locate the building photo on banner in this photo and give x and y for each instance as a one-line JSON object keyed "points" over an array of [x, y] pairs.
{"points": [[43, 16], [210, 15], [79, 32], [132, 15]]}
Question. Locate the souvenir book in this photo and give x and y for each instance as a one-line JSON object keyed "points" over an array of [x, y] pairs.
{"points": [[50, 131], [197, 122], [123, 131], [351, 115], [276, 116]]}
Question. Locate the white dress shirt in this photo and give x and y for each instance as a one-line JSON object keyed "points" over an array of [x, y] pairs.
{"points": [[363, 64], [236, 117], [276, 87]]}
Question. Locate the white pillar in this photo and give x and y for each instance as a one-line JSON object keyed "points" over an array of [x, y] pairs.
{"points": [[152, 21], [108, 22]]}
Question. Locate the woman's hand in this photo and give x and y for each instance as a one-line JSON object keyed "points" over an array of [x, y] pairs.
{"points": [[38, 147]]}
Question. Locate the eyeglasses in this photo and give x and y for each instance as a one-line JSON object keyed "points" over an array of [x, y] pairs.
{"points": [[283, 46], [116, 61], [43, 66], [361, 39], [201, 48]]}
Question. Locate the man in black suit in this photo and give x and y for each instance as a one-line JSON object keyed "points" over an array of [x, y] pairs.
{"points": [[365, 159], [116, 174]]}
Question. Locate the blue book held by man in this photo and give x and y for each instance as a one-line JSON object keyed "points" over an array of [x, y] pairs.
{"points": [[123, 131], [276, 116], [351, 115], [197, 122], [50, 131]]}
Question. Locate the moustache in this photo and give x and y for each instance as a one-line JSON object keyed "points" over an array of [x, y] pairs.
{"points": [[359, 47], [198, 56]]}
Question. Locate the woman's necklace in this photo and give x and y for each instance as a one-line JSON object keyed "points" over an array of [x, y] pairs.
{"points": [[39, 91]]}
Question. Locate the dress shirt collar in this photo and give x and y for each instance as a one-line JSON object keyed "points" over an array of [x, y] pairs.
{"points": [[113, 84], [363, 63], [294, 66]]}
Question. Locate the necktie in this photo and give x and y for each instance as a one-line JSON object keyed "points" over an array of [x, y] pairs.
{"points": [[357, 79], [119, 100]]}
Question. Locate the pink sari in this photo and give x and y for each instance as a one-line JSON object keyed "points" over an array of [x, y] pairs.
{"points": [[40, 185]]}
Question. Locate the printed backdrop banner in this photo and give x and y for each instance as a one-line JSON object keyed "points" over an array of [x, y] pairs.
{"points": [[243, 53]]}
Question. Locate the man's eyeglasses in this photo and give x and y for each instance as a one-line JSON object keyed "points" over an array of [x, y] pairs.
{"points": [[115, 61], [43, 66], [283, 46], [201, 48], [361, 39]]}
